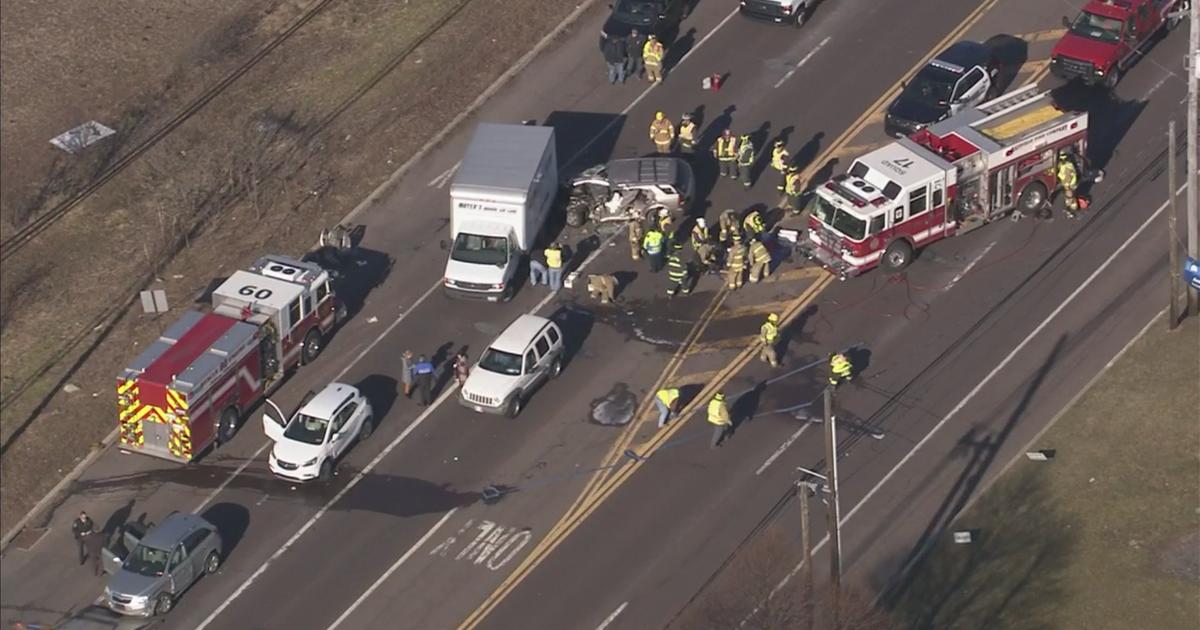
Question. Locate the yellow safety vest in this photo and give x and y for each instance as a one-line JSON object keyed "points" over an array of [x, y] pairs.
{"points": [[718, 414], [687, 131], [553, 257], [726, 148], [839, 365], [770, 332], [792, 186], [754, 222], [668, 396], [1066, 174], [746, 153], [653, 242], [652, 52], [779, 158]]}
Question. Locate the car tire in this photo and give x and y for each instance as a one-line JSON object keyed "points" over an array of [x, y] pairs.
{"points": [[577, 215], [1113, 78], [801, 17], [368, 426], [1033, 197], [326, 471], [514, 406], [228, 425], [556, 368], [313, 345], [507, 294], [897, 256], [163, 604], [212, 563]]}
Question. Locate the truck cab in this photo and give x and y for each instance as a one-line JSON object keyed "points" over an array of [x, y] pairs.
{"points": [[1104, 39]]}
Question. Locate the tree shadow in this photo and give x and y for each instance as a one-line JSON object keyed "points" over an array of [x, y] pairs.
{"points": [[355, 272], [744, 408], [981, 453], [677, 50], [576, 323], [1010, 53]]}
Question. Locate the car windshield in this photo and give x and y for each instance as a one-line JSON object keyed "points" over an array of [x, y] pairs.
{"points": [[840, 220], [500, 362], [146, 561], [1097, 27], [480, 250], [307, 429], [931, 86], [637, 11]]}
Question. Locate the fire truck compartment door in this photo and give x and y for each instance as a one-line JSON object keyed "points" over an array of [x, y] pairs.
{"points": [[274, 422], [156, 434]]}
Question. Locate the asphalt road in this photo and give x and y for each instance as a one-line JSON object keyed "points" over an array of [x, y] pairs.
{"points": [[401, 538]]}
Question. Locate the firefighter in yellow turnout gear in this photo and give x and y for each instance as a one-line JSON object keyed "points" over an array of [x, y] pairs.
{"points": [[662, 133], [840, 369], [779, 161], [687, 134], [735, 263], [1068, 181], [754, 224], [636, 233], [769, 336], [760, 261], [725, 150], [679, 275], [729, 225], [720, 418], [745, 160], [652, 58]]}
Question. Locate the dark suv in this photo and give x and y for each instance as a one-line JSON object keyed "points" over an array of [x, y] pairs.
{"points": [[961, 76], [650, 17]]}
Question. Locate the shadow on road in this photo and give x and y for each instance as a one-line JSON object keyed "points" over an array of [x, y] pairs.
{"points": [[231, 520]]}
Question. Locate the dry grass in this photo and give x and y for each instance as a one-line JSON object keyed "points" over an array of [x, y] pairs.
{"points": [[290, 147], [1106, 536]]}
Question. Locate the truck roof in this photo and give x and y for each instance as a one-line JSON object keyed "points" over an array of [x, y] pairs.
{"points": [[503, 158], [1118, 9], [188, 353], [1015, 123]]}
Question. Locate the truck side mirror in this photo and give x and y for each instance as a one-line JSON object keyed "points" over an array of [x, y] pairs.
{"points": [[1066, 22], [443, 244]]}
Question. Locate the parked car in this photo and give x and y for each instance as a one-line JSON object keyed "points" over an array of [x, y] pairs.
{"points": [[160, 564], [649, 17], [525, 355], [793, 12], [309, 444], [961, 76], [632, 188]]}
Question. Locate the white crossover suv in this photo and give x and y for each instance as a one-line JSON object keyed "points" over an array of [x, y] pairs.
{"points": [[526, 354], [309, 444]]}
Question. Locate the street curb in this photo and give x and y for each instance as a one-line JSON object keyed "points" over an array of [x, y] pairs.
{"points": [[984, 487], [370, 200], [470, 110]]}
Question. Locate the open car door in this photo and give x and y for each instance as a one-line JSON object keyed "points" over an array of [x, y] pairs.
{"points": [[970, 89], [273, 420]]}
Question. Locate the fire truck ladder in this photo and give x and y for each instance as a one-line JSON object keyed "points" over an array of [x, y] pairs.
{"points": [[1004, 104]]}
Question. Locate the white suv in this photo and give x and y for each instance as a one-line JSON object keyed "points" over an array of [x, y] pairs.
{"points": [[528, 352], [321, 431]]}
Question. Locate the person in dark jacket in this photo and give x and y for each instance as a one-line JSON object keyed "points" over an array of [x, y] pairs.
{"points": [[615, 56], [633, 50], [81, 528], [423, 379]]}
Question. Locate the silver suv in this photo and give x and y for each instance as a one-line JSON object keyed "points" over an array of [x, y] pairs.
{"points": [[627, 189], [163, 563]]}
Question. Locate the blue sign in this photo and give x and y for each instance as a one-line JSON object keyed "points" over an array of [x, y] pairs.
{"points": [[1191, 272]]}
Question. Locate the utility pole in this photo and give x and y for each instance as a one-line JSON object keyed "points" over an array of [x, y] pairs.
{"points": [[810, 609], [1174, 268], [833, 515], [1193, 162]]}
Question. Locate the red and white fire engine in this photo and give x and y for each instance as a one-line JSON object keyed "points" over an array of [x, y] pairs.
{"points": [[194, 385], [968, 170]]}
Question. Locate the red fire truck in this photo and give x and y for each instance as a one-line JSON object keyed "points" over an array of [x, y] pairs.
{"points": [[968, 170], [193, 386]]}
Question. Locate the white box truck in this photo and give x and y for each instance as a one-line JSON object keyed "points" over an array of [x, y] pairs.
{"points": [[499, 201]]}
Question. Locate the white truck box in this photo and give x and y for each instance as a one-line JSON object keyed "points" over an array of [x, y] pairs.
{"points": [[499, 201]]}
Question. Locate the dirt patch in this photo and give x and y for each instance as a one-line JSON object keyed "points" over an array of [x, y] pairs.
{"points": [[289, 147], [1104, 535]]}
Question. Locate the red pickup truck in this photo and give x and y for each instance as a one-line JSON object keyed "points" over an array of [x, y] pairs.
{"points": [[1108, 35]]}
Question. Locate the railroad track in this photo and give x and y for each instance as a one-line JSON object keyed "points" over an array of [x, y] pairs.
{"points": [[23, 236]]}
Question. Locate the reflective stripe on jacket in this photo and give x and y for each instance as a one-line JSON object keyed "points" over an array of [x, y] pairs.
{"points": [[726, 148], [839, 365]]}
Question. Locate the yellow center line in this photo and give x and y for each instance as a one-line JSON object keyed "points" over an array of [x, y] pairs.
{"points": [[692, 378], [798, 273], [595, 494], [753, 309], [721, 344], [1050, 34]]}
